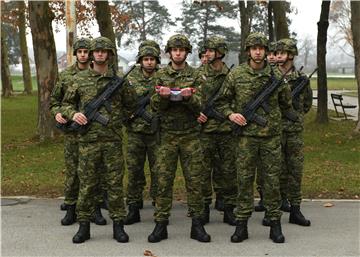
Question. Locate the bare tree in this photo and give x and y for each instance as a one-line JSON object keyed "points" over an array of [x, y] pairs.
{"points": [[281, 26], [355, 28], [6, 82], [40, 17], [246, 14], [323, 24]]}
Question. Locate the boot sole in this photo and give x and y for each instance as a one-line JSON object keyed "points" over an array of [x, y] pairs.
{"points": [[83, 241], [300, 224], [202, 241]]}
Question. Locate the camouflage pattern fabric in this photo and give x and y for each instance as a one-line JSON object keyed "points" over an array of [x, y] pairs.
{"points": [[287, 45], [256, 143], [177, 41], [179, 138]]}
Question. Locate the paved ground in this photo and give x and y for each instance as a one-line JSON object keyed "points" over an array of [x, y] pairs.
{"points": [[31, 227], [347, 100]]}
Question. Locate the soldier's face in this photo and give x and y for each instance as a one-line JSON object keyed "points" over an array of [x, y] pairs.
{"points": [[178, 55], [281, 57], [100, 56], [271, 57], [82, 55], [257, 53], [210, 54], [148, 63], [204, 59]]}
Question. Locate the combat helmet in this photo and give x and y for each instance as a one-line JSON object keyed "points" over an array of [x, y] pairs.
{"points": [[216, 43], [81, 43], [148, 51], [178, 40], [201, 49], [150, 43], [288, 45], [272, 47], [103, 43], [256, 39]]}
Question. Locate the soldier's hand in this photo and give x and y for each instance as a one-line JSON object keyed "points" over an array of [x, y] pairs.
{"points": [[186, 92], [202, 118], [80, 118], [238, 119], [164, 92], [59, 118]]}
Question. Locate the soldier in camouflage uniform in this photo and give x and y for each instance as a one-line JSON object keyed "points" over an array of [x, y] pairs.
{"points": [[256, 143], [271, 54], [292, 141], [202, 53], [71, 147], [216, 136], [178, 104], [100, 144], [141, 135]]}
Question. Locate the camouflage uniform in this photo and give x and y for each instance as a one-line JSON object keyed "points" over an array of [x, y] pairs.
{"points": [[256, 143], [100, 145]]}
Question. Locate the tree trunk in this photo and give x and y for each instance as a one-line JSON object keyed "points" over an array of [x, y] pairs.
{"points": [[103, 17], [45, 61], [355, 28], [24, 50], [281, 27], [7, 87], [245, 20], [323, 24], [270, 22]]}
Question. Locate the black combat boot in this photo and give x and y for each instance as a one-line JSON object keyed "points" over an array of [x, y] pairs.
{"points": [[63, 206], [206, 215], [198, 231], [241, 232], [159, 233], [260, 207], [266, 221], [285, 206], [296, 217], [229, 216], [83, 234], [97, 218], [275, 232], [119, 232], [133, 215], [219, 203], [70, 216]]}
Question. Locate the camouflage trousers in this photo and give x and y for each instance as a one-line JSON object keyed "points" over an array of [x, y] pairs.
{"points": [[251, 151], [108, 155], [292, 145], [188, 148], [71, 183], [220, 170], [139, 146]]}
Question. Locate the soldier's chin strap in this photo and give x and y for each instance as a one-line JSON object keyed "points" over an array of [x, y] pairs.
{"points": [[216, 58]]}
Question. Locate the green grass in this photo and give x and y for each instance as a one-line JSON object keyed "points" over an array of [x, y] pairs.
{"points": [[332, 154], [18, 84], [337, 84]]}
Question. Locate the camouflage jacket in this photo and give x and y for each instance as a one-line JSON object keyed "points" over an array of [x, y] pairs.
{"points": [[210, 81], [144, 86], [301, 104], [177, 117], [241, 86], [64, 81], [86, 86]]}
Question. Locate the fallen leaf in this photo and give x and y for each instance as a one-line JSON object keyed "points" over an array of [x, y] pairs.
{"points": [[148, 253], [328, 205]]}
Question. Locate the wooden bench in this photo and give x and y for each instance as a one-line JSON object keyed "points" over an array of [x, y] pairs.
{"points": [[337, 101]]}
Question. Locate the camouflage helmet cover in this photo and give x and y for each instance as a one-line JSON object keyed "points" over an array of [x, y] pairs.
{"points": [[103, 43], [84, 43], [178, 40], [256, 39], [149, 43], [148, 51], [288, 45], [272, 47], [216, 43]]}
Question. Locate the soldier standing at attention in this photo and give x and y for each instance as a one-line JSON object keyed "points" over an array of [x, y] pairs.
{"points": [[202, 54], [100, 145], [178, 104], [141, 135], [256, 143], [216, 135], [71, 146], [292, 141]]}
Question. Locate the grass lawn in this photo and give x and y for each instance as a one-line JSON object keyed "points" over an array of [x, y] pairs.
{"points": [[332, 155], [337, 83], [18, 84]]}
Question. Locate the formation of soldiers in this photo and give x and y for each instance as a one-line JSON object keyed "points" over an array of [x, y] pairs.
{"points": [[198, 116]]}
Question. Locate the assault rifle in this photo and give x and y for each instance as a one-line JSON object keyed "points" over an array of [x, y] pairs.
{"points": [[300, 84], [209, 110], [91, 109], [260, 100]]}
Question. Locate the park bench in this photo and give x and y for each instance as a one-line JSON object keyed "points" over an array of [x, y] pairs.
{"points": [[338, 101]]}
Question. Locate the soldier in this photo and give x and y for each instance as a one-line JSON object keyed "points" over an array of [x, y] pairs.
{"points": [[271, 54], [216, 137], [71, 147], [256, 142], [202, 54], [141, 135], [178, 104], [292, 141], [100, 145]]}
